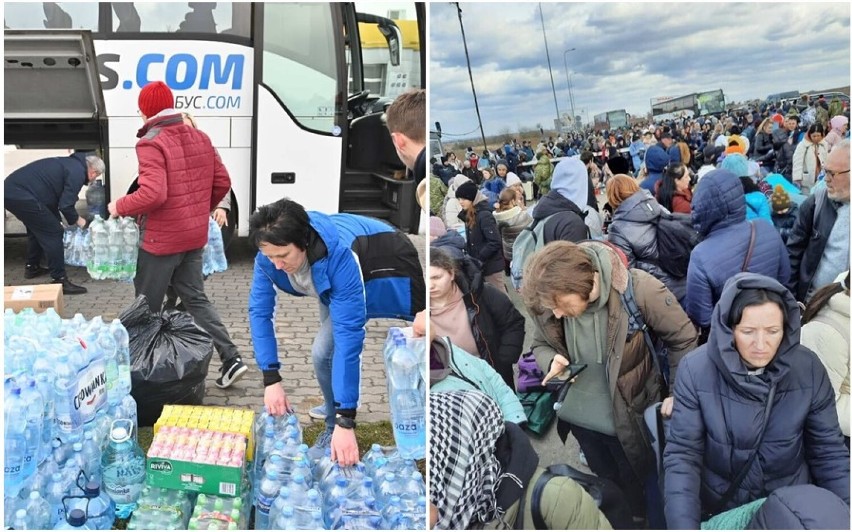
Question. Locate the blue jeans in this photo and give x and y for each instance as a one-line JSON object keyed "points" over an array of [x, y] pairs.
{"points": [[322, 352]]}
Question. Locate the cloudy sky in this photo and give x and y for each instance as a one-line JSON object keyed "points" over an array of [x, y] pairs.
{"points": [[626, 54]]}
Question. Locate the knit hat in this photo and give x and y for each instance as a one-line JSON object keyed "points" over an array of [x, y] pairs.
{"points": [[467, 191], [780, 199], [155, 97], [838, 122], [512, 179], [436, 227]]}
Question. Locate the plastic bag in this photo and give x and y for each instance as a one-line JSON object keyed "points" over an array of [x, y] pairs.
{"points": [[169, 357], [77, 246]]}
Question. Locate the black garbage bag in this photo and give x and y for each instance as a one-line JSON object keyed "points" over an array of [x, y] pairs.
{"points": [[169, 356]]}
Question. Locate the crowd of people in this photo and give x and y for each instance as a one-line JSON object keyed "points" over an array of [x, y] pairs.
{"points": [[702, 270]]}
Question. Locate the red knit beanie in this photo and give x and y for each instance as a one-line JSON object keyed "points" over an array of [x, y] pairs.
{"points": [[154, 97]]}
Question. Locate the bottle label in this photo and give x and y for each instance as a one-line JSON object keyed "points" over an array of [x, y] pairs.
{"points": [[91, 391]]}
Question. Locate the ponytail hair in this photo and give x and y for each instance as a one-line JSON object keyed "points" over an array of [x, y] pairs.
{"points": [[821, 297]]}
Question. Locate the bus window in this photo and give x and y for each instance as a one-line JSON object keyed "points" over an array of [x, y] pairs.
{"points": [[380, 77], [189, 17], [50, 15], [300, 61]]}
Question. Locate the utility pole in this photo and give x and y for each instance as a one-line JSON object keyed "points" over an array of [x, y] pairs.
{"points": [[470, 73], [549, 69]]}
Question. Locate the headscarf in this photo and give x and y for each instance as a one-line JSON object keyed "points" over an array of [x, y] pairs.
{"points": [[464, 470]]}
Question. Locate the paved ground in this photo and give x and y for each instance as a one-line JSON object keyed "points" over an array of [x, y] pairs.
{"points": [[296, 323]]}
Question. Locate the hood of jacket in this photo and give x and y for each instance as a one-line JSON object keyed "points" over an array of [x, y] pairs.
{"points": [[495, 185], [512, 217], [553, 203], [641, 207], [469, 278], [718, 202], [571, 181], [451, 238], [720, 344], [80, 157], [455, 183], [656, 159], [167, 117]]}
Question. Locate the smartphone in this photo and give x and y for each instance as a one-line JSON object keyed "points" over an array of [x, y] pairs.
{"points": [[556, 383]]}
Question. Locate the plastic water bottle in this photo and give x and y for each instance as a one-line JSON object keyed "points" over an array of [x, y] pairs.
{"points": [[122, 343], [407, 402], [92, 456], [266, 492], [100, 249], [115, 238], [75, 520], [308, 509], [101, 509], [123, 469], [130, 249], [286, 521], [96, 199], [55, 493], [387, 488], [340, 490], [38, 511], [107, 344], [76, 462], [15, 448], [21, 522], [34, 413]]}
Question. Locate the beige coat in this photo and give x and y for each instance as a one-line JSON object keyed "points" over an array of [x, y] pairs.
{"points": [[633, 382], [827, 335]]}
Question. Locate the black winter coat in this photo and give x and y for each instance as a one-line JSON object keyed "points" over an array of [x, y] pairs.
{"points": [[54, 182], [483, 239], [719, 408], [497, 326], [762, 147], [783, 152], [634, 230], [803, 507], [568, 224], [806, 241], [451, 242]]}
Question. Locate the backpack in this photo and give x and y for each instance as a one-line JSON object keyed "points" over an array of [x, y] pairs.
{"points": [[675, 241], [530, 240]]}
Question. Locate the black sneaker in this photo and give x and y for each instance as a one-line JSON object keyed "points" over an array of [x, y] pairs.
{"points": [[30, 272], [69, 288], [232, 370]]}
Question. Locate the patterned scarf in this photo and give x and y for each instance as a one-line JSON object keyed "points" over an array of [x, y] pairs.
{"points": [[464, 471]]}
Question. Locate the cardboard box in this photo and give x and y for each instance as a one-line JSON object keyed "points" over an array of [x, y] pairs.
{"points": [[36, 296], [190, 476]]}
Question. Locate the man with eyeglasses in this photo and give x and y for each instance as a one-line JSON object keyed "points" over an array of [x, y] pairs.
{"points": [[819, 241]]}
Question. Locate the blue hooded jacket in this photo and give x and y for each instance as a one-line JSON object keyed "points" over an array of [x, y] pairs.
{"points": [[719, 216], [54, 182], [362, 269]]}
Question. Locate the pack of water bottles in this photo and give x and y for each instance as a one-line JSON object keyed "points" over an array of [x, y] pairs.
{"points": [[67, 382], [161, 509], [218, 513], [113, 248], [77, 243], [405, 366], [213, 258], [292, 491]]}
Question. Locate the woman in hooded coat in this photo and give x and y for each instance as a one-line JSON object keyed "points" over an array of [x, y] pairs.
{"points": [[838, 131], [571, 181], [752, 373]]}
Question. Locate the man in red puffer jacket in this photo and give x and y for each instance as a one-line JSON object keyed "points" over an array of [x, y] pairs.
{"points": [[181, 180]]}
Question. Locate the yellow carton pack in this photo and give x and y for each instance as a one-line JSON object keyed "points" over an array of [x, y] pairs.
{"points": [[223, 419]]}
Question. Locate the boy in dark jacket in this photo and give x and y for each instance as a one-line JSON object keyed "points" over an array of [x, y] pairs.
{"points": [[784, 212]]}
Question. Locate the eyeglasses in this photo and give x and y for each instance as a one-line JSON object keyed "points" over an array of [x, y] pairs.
{"points": [[832, 175]]}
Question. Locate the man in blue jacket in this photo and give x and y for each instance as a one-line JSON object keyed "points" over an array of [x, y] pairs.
{"points": [[359, 268], [36, 194]]}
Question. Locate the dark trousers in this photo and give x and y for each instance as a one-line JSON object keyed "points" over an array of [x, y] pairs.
{"points": [[607, 460], [44, 234], [154, 273]]}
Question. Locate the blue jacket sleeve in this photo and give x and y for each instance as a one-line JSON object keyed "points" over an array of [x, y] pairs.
{"points": [[682, 458], [262, 300], [827, 457], [348, 314], [699, 296]]}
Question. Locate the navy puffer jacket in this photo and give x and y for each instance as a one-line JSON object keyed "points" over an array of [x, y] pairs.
{"points": [[719, 409], [634, 230], [719, 216]]}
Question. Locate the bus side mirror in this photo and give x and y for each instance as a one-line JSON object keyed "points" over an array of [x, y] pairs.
{"points": [[394, 37]]}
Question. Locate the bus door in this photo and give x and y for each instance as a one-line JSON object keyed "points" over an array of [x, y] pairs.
{"points": [[300, 104], [52, 99]]}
